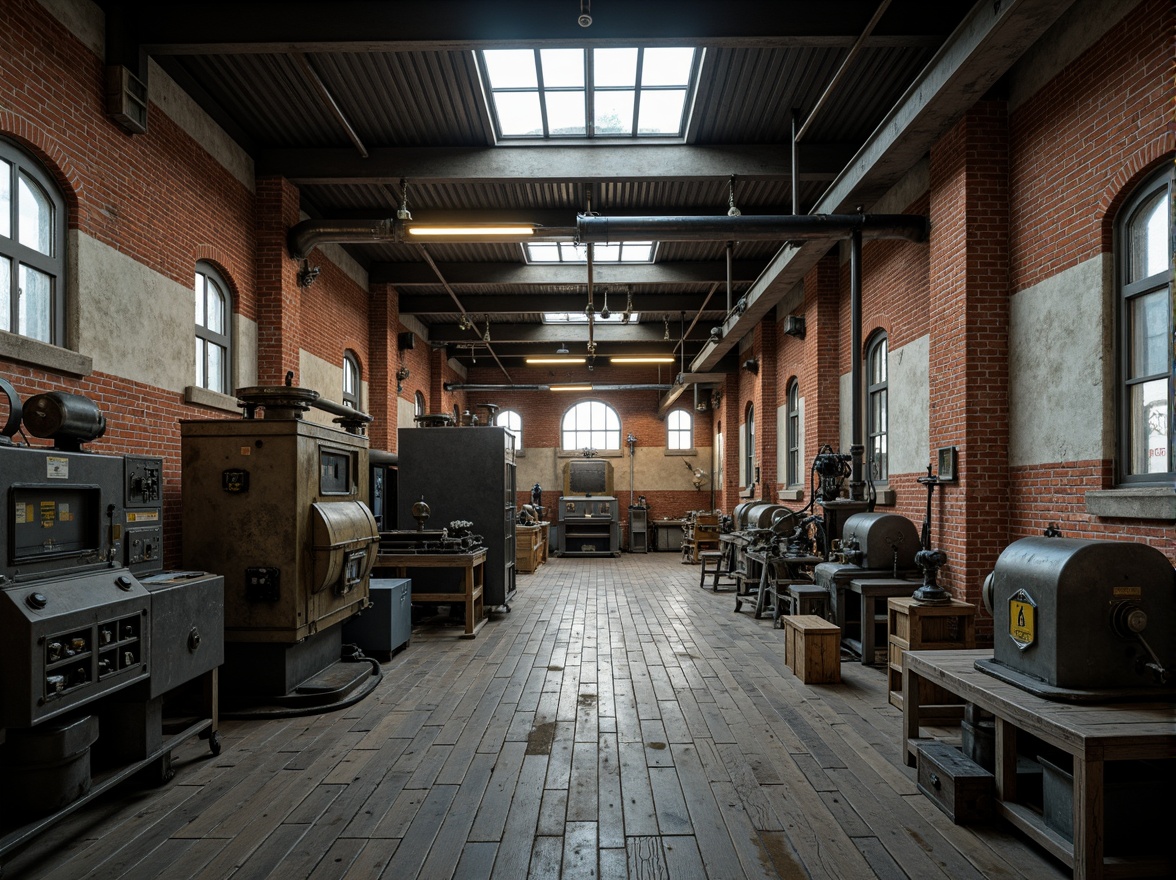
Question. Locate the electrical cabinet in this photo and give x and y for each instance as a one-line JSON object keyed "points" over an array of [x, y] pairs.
{"points": [[638, 529], [463, 474]]}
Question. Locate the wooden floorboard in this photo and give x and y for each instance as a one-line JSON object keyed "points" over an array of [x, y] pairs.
{"points": [[619, 722]]}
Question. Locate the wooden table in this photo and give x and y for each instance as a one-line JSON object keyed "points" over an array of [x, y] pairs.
{"points": [[473, 567], [1091, 734]]}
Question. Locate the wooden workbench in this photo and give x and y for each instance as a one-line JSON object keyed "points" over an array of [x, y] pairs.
{"points": [[1091, 734], [473, 566]]}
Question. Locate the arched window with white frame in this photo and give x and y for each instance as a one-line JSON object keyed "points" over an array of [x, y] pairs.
{"points": [[590, 424], [513, 423], [679, 430]]}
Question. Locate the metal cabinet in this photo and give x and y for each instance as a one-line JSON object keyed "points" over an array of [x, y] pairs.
{"points": [[464, 474], [638, 529]]}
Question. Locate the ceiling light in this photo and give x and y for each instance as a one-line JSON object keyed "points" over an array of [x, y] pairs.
{"points": [[488, 231], [570, 387], [555, 360], [643, 359], [563, 349]]}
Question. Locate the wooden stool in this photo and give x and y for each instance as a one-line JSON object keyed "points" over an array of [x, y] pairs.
{"points": [[812, 648]]}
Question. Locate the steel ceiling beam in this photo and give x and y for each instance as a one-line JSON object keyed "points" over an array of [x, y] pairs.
{"points": [[583, 162], [552, 334], [406, 275], [530, 303]]}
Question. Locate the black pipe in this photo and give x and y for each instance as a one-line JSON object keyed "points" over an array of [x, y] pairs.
{"points": [[766, 227], [304, 237], [857, 444]]}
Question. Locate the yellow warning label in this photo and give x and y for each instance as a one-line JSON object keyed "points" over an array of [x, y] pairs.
{"points": [[140, 516], [48, 514], [1127, 592], [1022, 622]]}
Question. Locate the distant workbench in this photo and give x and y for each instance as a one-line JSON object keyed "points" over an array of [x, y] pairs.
{"points": [[473, 567]]}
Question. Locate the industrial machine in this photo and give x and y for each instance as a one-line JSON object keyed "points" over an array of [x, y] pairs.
{"points": [[1083, 620], [589, 514], [100, 649], [277, 506]]}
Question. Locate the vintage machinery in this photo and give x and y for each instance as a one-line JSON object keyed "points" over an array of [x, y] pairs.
{"points": [[589, 515], [97, 644], [277, 506], [1083, 620]]}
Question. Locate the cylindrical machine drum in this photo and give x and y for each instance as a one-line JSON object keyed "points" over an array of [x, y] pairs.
{"points": [[762, 514], [63, 416], [1084, 615], [885, 540]]}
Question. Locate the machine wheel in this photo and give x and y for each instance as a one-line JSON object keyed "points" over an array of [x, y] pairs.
{"points": [[214, 743]]}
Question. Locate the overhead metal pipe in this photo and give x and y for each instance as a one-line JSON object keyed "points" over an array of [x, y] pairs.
{"points": [[461, 386], [304, 237], [765, 227], [857, 443]]}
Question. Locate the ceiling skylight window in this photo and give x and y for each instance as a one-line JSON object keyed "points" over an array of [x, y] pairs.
{"points": [[598, 93], [568, 252], [582, 318]]}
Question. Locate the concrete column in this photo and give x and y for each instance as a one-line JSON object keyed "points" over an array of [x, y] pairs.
{"points": [[969, 309]]}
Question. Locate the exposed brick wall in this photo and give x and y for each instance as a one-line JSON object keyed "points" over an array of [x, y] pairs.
{"points": [[1077, 144], [383, 362], [279, 304], [820, 372]]}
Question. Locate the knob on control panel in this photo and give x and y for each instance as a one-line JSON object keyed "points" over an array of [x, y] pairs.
{"points": [[124, 582], [36, 601]]}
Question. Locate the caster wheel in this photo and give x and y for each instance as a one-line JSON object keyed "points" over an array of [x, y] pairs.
{"points": [[214, 743], [507, 607]]}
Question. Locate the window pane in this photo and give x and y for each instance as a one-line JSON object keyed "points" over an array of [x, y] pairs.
{"points": [[216, 379], [666, 67], [216, 309], [1149, 334], [562, 68], [1149, 239], [510, 68], [5, 199], [614, 67], [518, 113], [5, 294], [606, 253], [199, 300], [637, 252], [661, 112], [543, 252], [573, 253], [613, 112], [565, 113], [1149, 427], [201, 382], [33, 308], [35, 216]]}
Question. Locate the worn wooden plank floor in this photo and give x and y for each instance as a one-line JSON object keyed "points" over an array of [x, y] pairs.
{"points": [[621, 722]]}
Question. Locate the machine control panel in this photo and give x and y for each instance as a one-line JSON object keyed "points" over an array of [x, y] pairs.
{"points": [[144, 481]]}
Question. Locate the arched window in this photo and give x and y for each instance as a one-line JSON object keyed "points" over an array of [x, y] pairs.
{"points": [[749, 446], [214, 310], [351, 380], [679, 430], [32, 249], [1144, 262], [792, 440], [591, 424], [513, 423], [419, 404], [877, 418]]}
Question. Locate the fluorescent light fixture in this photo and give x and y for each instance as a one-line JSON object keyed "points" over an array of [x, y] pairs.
{"points": [[643, 359], [556, 360], [570, 387], [581, 318], [489, 230]]}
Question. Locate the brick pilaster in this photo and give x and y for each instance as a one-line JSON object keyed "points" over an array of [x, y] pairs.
{"points": [[279, 300]]}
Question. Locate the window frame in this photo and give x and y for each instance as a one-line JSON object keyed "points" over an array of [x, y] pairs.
{"points": [[792, 429], [676, 430], [24, 164], [1127, 292], [504, 419], [573, 411], [879, 342], [224, 340], [352, 397], [749, 445]]}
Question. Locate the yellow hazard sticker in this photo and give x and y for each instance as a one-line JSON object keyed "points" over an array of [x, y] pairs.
{"points": [[48, 514], [140, 516], [1022, 621]]}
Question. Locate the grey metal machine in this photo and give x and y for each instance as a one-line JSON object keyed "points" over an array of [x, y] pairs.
{"points": [[1083, 620], [98, 646], [277, 506]]}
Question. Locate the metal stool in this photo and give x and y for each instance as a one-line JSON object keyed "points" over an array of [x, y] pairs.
{"points": [[712, 564]]}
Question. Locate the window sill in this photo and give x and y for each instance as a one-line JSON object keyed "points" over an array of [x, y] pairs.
{"points": [[796, 494], [886, 497], [682, 452], [42, 354], [213, 399], [600, 453], [1152, 502]]}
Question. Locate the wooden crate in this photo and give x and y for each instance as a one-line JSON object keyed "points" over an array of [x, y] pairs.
{"points": [[812, 648], [955, 783], [915, 627], [528, 548]]}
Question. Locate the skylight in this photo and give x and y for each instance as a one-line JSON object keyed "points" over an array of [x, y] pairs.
{"points": [[569, 252], [582, 318], [625, 92]]}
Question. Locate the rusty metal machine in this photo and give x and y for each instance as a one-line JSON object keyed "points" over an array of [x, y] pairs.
{"points": [[98, 646], [277, 506], [1083, 620]]}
